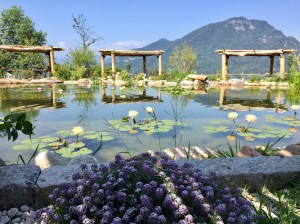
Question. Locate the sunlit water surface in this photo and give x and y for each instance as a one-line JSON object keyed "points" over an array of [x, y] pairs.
{"points": [[55, 108]]}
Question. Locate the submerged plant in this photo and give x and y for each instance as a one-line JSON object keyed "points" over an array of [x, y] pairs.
{"points": [[145, 189]]}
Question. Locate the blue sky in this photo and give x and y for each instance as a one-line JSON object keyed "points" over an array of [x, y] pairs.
{"points": [[127, 24]]}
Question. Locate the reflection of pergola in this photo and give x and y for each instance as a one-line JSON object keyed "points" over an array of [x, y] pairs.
{"points": [[270, 53], [132, 53], [34, 49]]}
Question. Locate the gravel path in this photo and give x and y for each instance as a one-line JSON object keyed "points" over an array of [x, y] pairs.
{"points": [[22, 215]]}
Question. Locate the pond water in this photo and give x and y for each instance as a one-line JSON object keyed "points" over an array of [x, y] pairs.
{"points": [[202, 119]]}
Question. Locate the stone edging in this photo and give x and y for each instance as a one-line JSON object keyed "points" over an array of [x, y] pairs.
{"points": [[17, 186]]}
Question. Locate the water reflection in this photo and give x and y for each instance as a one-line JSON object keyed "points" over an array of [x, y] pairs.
{"points": [[116, 97], [226, 98]]}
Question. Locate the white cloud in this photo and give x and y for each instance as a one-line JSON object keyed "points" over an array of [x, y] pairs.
{"points": [[62, 44], [126, 45]]}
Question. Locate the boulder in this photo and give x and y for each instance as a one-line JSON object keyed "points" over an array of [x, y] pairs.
{"points": [[2, 163], [273, 172], [247, 151], [47, 159], [51, 178], [236, 82], [290, 150], [186, 83], [202, 78], [83, 159], [17, 185]]}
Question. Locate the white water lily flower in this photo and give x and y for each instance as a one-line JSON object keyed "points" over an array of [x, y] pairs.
{"points": [[250, 118], [77, 130], [150, 109], [295, 107], [233, 115], [132, 113]]}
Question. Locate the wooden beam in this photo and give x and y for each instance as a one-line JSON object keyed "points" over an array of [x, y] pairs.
{"points": [[102, 65], [281, 73], [159, 64], [271, 65], [144, 65], [131, 53], [23, 48], [52, 62], [113, 63], [254, 52], [224, 66]]}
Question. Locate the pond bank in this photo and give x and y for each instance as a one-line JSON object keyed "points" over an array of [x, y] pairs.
{"points": [[274, 172]]}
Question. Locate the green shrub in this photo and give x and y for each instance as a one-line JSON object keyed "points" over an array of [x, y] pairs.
{"points": [[140, 76], [125, 76], [255, 78]]}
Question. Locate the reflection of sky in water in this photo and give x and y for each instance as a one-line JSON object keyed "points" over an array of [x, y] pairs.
{"points": [[81, 106]]}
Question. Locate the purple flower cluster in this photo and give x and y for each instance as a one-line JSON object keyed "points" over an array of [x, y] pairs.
{"points": [[146, 189]]}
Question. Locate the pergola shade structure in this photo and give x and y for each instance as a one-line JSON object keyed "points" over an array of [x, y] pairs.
{"points": [[261, 53], [49, 50], [131, 53]]}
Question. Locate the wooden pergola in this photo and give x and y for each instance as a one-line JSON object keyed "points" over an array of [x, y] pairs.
{"points": [[49, 50], [131, 53], [261, 53]]}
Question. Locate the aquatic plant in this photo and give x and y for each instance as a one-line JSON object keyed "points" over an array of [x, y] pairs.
{"points": [[145, 189], [77, 131]]}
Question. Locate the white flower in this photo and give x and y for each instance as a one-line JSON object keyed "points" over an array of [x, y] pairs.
{"points": [[132, 113], [150, 109], [77, 130], [250, 118], [233, 115], [295, 107]]}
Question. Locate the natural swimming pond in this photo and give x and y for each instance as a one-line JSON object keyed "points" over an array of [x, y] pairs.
{"points": [[197, 118]]}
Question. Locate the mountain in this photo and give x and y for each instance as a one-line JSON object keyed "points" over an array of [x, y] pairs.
{"points": [[234, 33]]}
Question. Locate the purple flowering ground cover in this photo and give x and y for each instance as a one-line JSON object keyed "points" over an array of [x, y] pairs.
{"points": [[146, 189]]}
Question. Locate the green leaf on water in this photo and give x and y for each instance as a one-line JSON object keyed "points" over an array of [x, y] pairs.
{"points": [[77, 145], [107, 138], [54, 144], [29, 142], [220, 122], [64, 150], [50, 139]]}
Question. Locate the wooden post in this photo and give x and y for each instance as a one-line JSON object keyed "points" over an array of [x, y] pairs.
{"points": [[144, 65], [281, 66], [159, 64], [222, 96], [52, 61], [271, 65], [113, 65], [224, 67], [102, 66]]}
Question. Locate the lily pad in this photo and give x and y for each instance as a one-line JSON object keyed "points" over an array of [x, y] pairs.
{"points": [[77, 145], [28, 141], [83, 151], [107, 138], [64, 150], [49, 139], [54, 144], [64, 132]]}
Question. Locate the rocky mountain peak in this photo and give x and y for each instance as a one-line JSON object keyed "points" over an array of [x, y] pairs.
{"points": [[240, 23]]}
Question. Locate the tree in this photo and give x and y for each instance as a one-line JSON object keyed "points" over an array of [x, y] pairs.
{"points": [[18, 29], [183, 59], [85, 32]]}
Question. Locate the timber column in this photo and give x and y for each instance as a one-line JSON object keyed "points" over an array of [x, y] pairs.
{"points": [[51, 54], [102, 65], [144, 64], [224, 66], [113, 63], [271, 65], [281, 66], [159, 63]]}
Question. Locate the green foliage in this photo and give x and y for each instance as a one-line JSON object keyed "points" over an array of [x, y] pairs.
{"points": [[140, 76], [18, 29], [83, 63], [214, 77], [255, 78], [183, 59], [63, 71], [125, 76], [13, 123]]}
